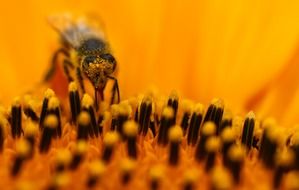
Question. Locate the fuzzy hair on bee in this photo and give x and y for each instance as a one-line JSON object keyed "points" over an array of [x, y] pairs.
{"points": [[86, 52]]}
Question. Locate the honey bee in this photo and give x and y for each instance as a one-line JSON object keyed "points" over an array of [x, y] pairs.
{"points": [[87, 52]]}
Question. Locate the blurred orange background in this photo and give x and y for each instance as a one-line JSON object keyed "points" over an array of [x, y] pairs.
{"points": [[245, 52]]}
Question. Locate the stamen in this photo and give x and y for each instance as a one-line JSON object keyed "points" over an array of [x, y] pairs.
{"points": [[190, 178], [29, 109], [284, 162], [208, 130], [48, 94], [3, 123], [186, 108], [114, 114], [248, 128], [175, 135], [195, 124], [87, 105], [124, 111], [145, 114], [59, 181], [127, 166], [215, 112], [130, 131], [295, 148], [166, 121], [291, 181], [228, 137], [95, 169], [236, 156], [16, 119], [53, 108], [152, 125], [110, 140], [212, 146], [227, 121], [156, 174], [31, 131], [80, 150], [74, 100], [221, 179], [102, 111], [22, 150], [173, 102], [84, 126], [50, 127], [62, 160], [269, 144]]}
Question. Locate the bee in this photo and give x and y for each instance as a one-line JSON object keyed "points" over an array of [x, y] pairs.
{"points": [[86, 52]]}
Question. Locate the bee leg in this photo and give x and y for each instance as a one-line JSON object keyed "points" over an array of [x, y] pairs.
{"points": [[115, 89], [66, 65], [80, 79], [52, 69]]}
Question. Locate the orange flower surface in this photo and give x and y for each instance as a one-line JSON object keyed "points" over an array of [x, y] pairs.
{"points": [[245, 53]]}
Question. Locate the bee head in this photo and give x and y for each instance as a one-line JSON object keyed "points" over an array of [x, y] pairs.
{"points": [[97, 68], [91, 46]]}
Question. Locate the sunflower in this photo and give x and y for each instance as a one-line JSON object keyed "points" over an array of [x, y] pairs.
{"points": [[243, 52]]}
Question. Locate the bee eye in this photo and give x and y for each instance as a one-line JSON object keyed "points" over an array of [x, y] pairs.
{"points": [[88, 60], [108, 57]]}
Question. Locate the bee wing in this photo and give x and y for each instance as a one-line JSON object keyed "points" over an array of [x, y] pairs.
{"points": [[90, 27], [66, 26]]}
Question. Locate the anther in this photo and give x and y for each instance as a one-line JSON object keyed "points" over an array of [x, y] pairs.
{"points": [[124, 111], [212, 146], [144, 116], [269, 143], [166, 121], [23, 150], [29, 109], [62, 160], [31, 131], [114, 114], [228, 137], [95, 171], [190, 178], [248, 128], [74, 100], [50, 126], [291, 181], [175, 135], [53, 108], [127, 167], [152, 125], [59, 181], [195, 123], [215, 112], [78, 154], [173, 102], [236, 156], [48, 94], [101, 118], [87, 105], [84, 125], [227, 121], [221, 179], [156, 174], [130, 131], [16, 119], [110, 140], [186, 108], [208, 130], [295, 148], [284, 162], [3, 123]]}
